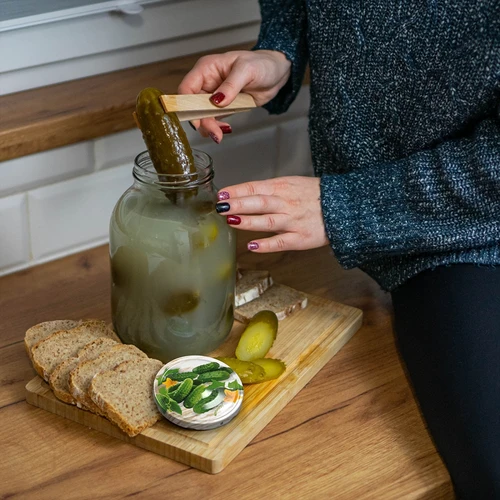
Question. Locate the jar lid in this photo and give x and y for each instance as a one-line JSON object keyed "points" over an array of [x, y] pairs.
{"points": [[198, 392]]}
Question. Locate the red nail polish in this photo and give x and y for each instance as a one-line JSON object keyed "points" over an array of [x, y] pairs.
{"points": [[253, 245], [226, 129], [214, 138], [223, 195], [217, 98], [234, 220]]}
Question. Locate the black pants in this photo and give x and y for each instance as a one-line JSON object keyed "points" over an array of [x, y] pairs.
{"points": [[447, 324]]}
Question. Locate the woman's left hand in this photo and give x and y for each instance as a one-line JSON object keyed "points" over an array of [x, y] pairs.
{"points": [[287, 206]]}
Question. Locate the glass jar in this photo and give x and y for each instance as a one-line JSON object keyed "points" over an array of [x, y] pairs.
{"points": [[173, 262]]}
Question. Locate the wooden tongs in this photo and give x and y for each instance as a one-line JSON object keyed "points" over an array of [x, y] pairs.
{"points": [[198, 106]]}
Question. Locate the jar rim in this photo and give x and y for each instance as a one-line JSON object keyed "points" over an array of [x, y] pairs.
{"points": [[144, 172]]}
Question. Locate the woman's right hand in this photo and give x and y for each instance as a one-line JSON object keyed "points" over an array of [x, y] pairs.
{"points": [[260, 73]]}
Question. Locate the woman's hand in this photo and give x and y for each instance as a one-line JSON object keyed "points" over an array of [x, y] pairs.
{"points": [[288, 206], [260, 73]]}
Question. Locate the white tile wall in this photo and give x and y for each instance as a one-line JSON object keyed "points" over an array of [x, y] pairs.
{"points": [[75, 213], [64, 197], [118, 149], [244, 157], [14, 232], [46, 167]]}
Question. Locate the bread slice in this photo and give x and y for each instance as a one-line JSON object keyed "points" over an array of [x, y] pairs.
{"points": [[41, 331], [281, 299], [64, 344], [82, 375], [251, 285], [125, 394], [59, 378]]}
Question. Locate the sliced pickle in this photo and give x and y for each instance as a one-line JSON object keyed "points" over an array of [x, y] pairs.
{"points": [[273, 368], [181, 302], [249, 373], [258, 337]]}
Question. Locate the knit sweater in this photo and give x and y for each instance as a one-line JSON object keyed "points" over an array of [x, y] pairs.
{"points": [[404, 126]]}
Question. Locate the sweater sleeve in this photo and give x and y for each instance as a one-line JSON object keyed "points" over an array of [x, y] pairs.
{"points": [[283, 28], [438, 200]]}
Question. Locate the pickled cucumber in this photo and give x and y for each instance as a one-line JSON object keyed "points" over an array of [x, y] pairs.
{"points": [[180, 303], [248, 372], [199, 407], [164, 136], [194, 396], [258, 337], [273, 368], [207, 367], [215, 375], [184, 389]]}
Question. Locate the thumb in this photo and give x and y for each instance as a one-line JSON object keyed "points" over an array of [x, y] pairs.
{"points": [[238, 78]]}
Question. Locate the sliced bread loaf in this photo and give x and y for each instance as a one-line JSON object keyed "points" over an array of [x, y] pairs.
{"points": [[41, 331], [82, 375], [251, 285], [125, 394], [59, 378], [64, 344], [280, 299]]}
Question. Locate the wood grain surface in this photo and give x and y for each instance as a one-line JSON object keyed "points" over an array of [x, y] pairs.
{"points": [[354, 432], [306, 341], [57, 115]]}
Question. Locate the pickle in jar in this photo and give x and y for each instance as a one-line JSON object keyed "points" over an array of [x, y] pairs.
{"points": [[166, 140]]}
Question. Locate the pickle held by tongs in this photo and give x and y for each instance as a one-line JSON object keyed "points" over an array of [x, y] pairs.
{"points": [[166, 141]]}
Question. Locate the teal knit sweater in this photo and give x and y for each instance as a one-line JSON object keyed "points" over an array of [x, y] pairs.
{"points": [[404, 126]]}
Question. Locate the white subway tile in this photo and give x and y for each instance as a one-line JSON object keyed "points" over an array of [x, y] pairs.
{"points": [[73, 213], [294, 156], [14, 232], [118, 149], [43, 168], [244, 157]]}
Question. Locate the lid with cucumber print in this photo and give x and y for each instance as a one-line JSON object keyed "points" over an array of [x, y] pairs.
{"points": [[198, 392]]}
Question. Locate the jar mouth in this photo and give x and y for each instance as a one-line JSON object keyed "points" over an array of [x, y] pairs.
{"points": [[144, 171]]}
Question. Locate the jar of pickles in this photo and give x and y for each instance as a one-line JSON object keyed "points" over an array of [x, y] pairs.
{"points": [[173, 262]]}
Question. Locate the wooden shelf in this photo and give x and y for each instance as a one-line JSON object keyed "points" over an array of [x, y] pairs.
{"points": [[57, 115]]}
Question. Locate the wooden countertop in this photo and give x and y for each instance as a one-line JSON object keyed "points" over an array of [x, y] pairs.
{"points": [[353, 432]]}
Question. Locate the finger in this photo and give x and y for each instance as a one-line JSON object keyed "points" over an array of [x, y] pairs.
{"points": [[266, 188], [252, 205], [209, 128], [225, 127], [237, 79], [267, 223], [277, 243], [193, 82]]}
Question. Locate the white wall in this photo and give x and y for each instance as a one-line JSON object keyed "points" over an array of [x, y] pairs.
{"points": [[59, 202]]}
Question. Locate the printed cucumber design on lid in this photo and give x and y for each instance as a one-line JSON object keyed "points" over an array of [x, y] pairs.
{"points": [[198, 392]]}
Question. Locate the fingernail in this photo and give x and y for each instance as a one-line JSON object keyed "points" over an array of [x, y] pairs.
{"points": [[192, 126], [234, 220], [222, 207], [214, 138], [217, 98], [226, 129], [253, 245], [223, 195]]}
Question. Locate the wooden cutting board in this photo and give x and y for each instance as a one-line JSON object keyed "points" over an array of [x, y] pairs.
{"points": [[306, 341]]}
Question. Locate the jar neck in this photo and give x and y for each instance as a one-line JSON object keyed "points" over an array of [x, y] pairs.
{"points": [[146, 176]]}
